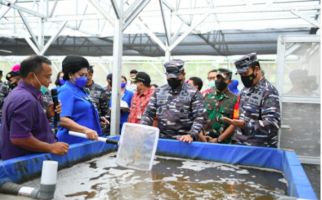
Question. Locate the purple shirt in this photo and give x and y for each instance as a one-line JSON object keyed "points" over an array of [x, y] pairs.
{"points": [[23, 117]]}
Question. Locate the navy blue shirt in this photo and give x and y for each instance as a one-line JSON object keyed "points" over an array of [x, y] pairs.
{"points": [[77, 106], [23, 117]]}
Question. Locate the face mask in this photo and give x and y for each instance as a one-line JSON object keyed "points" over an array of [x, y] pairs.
{"points": [[123, 85], [43, 90], [174, 83], [248, 80], [61, 81], [220, 85], [39, 82], [81, 81], [211, 83]]}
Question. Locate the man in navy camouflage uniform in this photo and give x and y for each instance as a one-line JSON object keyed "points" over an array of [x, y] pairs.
{"points": [[259, 109], [178, 107], [13, 78], [4, 91], [99, 96]]}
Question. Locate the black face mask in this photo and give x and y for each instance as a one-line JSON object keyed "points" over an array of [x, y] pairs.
{"points": [[174, 83], [220, 85], [248, 80]]}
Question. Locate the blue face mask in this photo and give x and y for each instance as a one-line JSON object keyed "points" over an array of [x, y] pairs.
{"points": [[81, 81], [123, 85], [61, 81]]}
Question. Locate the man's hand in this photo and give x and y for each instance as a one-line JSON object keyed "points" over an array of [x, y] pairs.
{"points": [[59, 148], [91, 134], [51, 112], [213, 140], [104, 121], [185, 138], [236, 122]]}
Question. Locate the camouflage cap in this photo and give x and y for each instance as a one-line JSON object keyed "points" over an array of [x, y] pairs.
{"points": [[224, 73], [245, 62], [173, 68]]}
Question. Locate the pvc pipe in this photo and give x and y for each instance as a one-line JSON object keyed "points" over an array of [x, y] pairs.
{"points": [[47, 184], [102, 139], [82, 135], [48, 180], [15, 189], [49, 172]]}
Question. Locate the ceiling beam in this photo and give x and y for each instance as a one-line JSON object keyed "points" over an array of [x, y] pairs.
{"points": [[53, 38], [102, 11], [310, 21], [203, 18], [14, 6], [132, 13]]}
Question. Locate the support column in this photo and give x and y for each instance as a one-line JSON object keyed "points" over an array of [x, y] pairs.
{"points": [[167, 55], [117, 71], [41, 38]]}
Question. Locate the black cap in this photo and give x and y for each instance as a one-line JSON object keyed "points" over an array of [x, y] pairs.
{"points": [[245, 62], [173, 68], [143, 77], [11, 74]]}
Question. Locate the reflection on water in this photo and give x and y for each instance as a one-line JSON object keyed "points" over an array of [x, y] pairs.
{"points": [[170, 178], [182, 179]]}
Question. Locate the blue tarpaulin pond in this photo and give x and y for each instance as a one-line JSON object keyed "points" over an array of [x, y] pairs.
{"points": [[28, 167]]}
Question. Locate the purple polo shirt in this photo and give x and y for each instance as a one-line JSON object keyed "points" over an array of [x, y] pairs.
{"points": [[23, 117]]}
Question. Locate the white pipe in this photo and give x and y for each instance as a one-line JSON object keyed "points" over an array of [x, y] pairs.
{"points": [[47, 184], [82, 135], [101, 139], [49, 172]]}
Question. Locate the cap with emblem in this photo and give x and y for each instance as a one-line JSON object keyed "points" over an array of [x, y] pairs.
{"points": [[245, 62], [143, 77], [224, 73], [173, 68]]}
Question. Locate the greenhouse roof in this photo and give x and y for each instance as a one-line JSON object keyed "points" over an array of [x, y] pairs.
{"points": [[151, 27]]}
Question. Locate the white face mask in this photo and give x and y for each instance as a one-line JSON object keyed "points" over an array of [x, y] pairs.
{"points": [[211, 83]]}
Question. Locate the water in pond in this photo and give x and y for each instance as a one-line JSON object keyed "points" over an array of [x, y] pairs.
{"points": [[170, 178]]}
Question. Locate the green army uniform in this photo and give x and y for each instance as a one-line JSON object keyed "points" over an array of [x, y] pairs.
{"points": [[219, 104]]}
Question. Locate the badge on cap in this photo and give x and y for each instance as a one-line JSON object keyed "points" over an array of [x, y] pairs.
{"points": [[245, 62], [173, 68]]}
